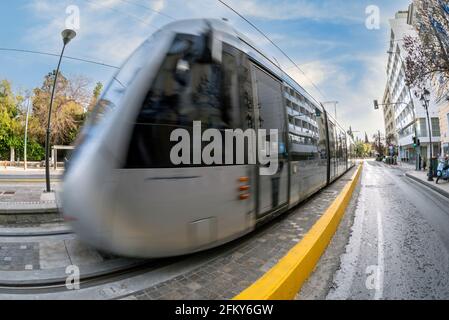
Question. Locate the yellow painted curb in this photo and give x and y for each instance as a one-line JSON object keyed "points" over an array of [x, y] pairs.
{"points": [[286, 278]]}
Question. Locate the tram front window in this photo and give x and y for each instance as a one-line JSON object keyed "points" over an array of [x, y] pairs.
{"points": [[116, 89], [185, 90], [188, 87]]}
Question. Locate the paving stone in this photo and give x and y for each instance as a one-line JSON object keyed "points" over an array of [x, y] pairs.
{"points": [[13, 257]]}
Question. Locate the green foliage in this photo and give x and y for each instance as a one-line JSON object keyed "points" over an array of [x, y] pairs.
{"points": [[68, 115], [362, 149], [10, 127], [35, 151], [95, 96]]}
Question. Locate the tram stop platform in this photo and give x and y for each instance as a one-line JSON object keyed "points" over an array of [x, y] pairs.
{"points": [[22, 192]]}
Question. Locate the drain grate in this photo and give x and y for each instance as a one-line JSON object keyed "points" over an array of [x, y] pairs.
{"points": [[9, 193]]}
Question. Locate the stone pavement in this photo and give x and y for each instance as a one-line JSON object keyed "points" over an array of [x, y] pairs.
{"points": [[20, 198], [248, 258], [420, 176]]}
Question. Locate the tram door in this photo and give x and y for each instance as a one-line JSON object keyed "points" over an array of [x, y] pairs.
{"points": [[270, 114]]}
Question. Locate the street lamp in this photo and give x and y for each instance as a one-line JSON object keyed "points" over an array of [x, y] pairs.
{"points": [[67, 36], [425, 99]]}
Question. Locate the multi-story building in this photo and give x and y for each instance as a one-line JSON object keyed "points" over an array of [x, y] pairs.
{"points": [[389, 119], [444, 126], [409, 114]]}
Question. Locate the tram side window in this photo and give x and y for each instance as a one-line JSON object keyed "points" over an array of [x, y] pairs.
{"points": [[322, 145], [185, 90], [332, 143]]}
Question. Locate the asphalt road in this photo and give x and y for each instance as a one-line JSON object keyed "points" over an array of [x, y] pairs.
{"points": [[399, 245]]}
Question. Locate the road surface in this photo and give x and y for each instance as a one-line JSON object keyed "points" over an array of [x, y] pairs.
{"points": [[399, 245]]}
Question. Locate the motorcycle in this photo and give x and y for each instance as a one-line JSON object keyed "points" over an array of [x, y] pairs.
{"points": [[442, 171]]}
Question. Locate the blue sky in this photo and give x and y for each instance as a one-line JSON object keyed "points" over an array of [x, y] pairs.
{"points": [[328, 39]]}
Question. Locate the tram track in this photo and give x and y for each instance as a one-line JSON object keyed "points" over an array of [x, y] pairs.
{"points": [[64, 249], [110, 274]]}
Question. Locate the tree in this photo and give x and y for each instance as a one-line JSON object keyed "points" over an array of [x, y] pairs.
{"points": [[377, 145], [390, 139], [427, 59], [350, 133], [10, 127], [70, 101], [95, 96], [366, 138], [362, 150]]}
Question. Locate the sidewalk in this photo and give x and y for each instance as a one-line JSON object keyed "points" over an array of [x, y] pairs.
{"points": [[22, 192], [421, 176], [28, 199], [406, 166]]}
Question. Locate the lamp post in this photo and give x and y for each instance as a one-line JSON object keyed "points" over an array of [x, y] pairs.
{"points": [[425, 99], [67, 36]]}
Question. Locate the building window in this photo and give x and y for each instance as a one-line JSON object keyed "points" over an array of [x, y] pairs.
{"points": [[435, 127], [447, 116], [422, 127]]}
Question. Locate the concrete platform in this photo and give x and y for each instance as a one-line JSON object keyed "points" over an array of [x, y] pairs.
{"points": [[28, 198]]}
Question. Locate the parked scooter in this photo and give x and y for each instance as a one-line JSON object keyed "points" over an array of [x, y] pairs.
{"points": [[443, 170]]}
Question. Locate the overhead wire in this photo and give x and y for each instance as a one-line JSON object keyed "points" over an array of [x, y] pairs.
{"points": [[274, 44], [57, 55]]}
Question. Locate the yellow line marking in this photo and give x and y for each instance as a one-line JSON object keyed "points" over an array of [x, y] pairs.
{"points": [[285, 279]]}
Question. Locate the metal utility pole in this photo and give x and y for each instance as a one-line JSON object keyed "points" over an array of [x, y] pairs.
{"points": [[425, 99], [67, 35]]}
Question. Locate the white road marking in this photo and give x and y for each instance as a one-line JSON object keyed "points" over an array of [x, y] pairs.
{"points": [[380, 258]]}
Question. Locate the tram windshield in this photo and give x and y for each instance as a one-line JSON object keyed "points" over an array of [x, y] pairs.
{"points": [[116, 89], [190, 86]]}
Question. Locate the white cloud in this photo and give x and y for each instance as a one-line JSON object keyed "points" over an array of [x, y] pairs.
{"points": [[298, 9], [112, 29]]}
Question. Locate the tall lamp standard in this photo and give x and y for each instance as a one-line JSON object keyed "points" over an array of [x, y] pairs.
{"points": [[425, 99], [67, 36]]}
